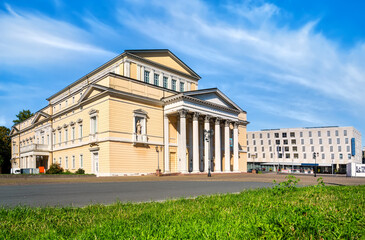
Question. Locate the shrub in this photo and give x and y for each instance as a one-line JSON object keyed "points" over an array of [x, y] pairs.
{"points": [[55, 168], [80, 171]]}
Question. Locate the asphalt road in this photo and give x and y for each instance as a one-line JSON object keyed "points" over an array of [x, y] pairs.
{"points": [[81, 194]]}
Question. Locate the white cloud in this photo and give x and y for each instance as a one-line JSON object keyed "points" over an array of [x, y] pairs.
{"points": [[300, 60], [35, 39]]}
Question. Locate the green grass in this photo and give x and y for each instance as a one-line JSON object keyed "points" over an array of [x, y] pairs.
{"points": [[295, 213]]}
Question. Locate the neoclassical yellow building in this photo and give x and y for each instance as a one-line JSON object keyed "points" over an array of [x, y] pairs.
{"points": [[136, 113]]}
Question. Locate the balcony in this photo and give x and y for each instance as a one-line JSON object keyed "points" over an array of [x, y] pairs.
{"points": [[34, 147]]}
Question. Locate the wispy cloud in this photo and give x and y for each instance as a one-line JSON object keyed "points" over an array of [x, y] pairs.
{"points": [[35, 39], [251, 42]]}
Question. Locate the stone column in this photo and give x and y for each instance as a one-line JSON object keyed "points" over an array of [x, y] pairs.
{"points": [[206, 143], [183, 140], [218, 158], [235, 148], [227, 149], [196, 142], [166, 142]]}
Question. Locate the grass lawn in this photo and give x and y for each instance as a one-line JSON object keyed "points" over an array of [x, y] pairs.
{"points": [[299, 213]]}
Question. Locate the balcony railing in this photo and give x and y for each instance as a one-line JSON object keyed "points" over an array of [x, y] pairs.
{"points": [[34, 147]]}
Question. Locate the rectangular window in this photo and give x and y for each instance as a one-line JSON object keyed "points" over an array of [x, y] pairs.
{"points": [[255, 149], [312, 148], [66, 162], [80, 131], [280, 155], [260, 135], [296, 156], [277, 142], [286, 149], [310, 134], [336, 132], [73, 162], [254, 142], [284, 135], [293, 141], [73, 133], [330, 141], [332, 156], [287, 155], [146, 76], [301, 134], [263, 155], [277, 135], [349, 156], [54, 138], [253, 136], [165, 82], [295, 149], [331, 148], [269, 142], [348, 148], [93, 125], [320, 141], [173, 84], [323, 156], [285, 141], [345, 133], [302, 141], [268, 135], [346, 141], [66, 103], [81, 161], [341, 156], [311, 141], [73, 99], [304, 155], [278, 149], [182, 87], [339, 148], [60, 159], [155, 79], [319, 133], [303, 148], [248, 149], [322, 149], [66, 135], [271, 155], [59, 137], [262, 149], [262, 142], [292, 134], [42, 139], [270, 149], [338, 141], [48, 142]]}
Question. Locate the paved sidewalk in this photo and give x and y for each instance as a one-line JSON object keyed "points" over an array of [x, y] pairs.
{"points": [[239, 177]]}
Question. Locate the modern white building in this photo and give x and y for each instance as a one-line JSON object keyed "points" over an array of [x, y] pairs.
{"points": [[293, 149]]}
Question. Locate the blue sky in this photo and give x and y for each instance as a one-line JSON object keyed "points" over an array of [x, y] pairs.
{"points": [[287, 63]]}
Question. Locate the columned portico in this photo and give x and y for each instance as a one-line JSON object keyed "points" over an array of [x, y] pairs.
{"points": [[208, 143]]}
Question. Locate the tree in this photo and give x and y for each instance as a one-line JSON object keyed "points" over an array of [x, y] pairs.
{"points": [[5, 149], [23, 115]]}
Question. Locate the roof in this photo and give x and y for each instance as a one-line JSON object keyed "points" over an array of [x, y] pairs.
{"points": [[132, 53]]}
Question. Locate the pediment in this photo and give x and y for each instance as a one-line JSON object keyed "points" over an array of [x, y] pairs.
{"points": [[13, 130], [40, 116], [213, 96], [166, 58], [91, 91]]}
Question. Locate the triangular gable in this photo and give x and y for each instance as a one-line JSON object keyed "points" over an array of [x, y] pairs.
{"points": [[214, 96], [13, 131], [39, 116], [91, 91], [166, 58]]}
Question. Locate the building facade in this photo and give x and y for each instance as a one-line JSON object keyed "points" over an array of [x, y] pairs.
{"points": [[138, 112], [293, 149]]}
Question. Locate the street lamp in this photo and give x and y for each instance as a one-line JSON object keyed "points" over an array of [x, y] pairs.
{"points": [[158, 171], [315, 155], [207, 136]]}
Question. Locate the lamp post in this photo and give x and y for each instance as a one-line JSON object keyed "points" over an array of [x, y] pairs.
{"points": [[315, 155], [158, 171], [207, 136], [332, 166]]}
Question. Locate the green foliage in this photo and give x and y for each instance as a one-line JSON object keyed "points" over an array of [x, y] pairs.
{"points": [[55, 168], [307, 213], [320, 182], [289, 185], [5, 149], [80, 171], [22, 116]]}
